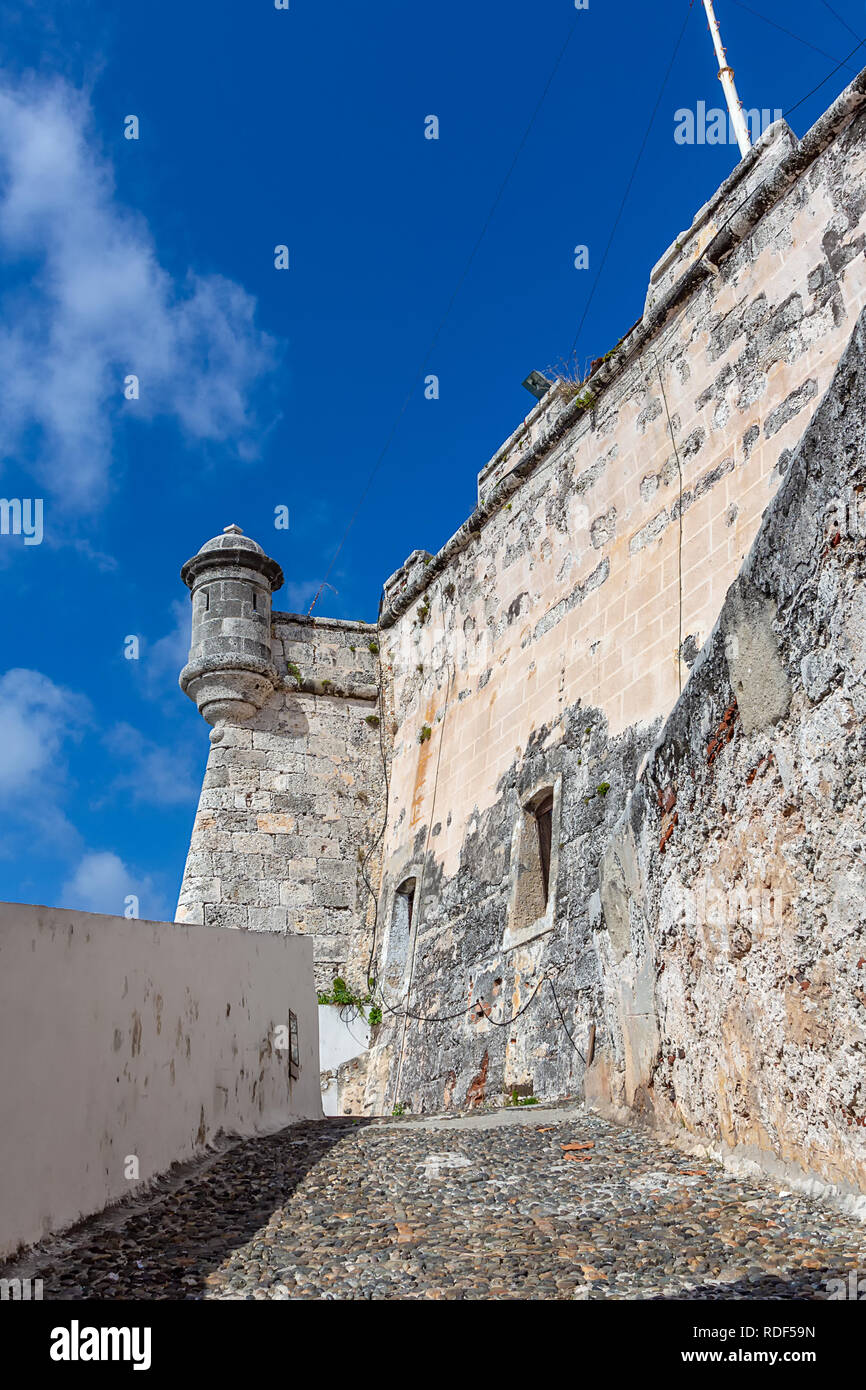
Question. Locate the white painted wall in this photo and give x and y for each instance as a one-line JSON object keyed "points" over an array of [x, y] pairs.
{"points": [[123, 1037], [343, 1034]]}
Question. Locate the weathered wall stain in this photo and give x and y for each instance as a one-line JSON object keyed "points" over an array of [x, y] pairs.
{"points": [[751, 925], [102, 1081], [546, 644]]}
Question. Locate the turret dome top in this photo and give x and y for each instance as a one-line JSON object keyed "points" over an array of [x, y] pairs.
{"points": [[232, 538], [232, 548]]}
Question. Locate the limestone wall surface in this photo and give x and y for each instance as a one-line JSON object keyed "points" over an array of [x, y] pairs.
{"points": [[128, 1040], [522, 676], [732, 920], [544, 645]]}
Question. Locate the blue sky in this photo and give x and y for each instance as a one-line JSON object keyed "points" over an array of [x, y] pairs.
{"points": [[262, 388]]}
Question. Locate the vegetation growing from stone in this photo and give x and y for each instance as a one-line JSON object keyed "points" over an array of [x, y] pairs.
{"points": [[342, 995], [712, 368]]}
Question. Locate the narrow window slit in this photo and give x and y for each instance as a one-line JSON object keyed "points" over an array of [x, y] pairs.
{"points": [[544, 827]]}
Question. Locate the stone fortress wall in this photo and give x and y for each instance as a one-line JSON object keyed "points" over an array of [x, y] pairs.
{"points": [[731, 920], [538, 655], [549, 638], [292, 792]]}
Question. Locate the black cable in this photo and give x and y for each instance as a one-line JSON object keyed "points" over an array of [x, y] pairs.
{"points": [[496, 201], [842, 21], [785, 114], [680, 511], [764, 182], [418, 915], [790, 33], [563, 1022], [449, 1018], [372, 983], [380, 837], [630, 182], [826, 79]]}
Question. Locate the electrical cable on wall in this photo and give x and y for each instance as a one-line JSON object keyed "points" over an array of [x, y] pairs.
{"points": [[419, 915], [680, 519], [825, 80], [478, 1006], [372, 981]]}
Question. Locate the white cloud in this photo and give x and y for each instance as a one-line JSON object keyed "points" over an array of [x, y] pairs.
{"points": [[163, 660], [36, 719], [94, 304], [149, 772], [103, 883], [299, 594]]}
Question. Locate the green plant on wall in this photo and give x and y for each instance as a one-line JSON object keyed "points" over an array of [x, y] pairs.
{"points": [[425, 734], [372, 720], [341, 994], [294, 671]]}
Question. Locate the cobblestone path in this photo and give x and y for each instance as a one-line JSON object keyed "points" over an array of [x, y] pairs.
{"points": [[519, 1205]]}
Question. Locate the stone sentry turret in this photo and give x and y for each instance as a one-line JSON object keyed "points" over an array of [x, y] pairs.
{"points": [[294, 780], [230, 673]]}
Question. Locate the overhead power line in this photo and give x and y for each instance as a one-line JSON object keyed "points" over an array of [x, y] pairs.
{"points": [[836, 15], [790, 33], [631, 180], [450, 305], [824, 81]]}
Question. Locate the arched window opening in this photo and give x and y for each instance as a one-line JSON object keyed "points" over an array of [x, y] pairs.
{"points": [[534, 866], [400, 934]]}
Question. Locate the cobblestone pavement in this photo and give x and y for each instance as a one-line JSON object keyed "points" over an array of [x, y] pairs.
{"points": [[520, 1205]]}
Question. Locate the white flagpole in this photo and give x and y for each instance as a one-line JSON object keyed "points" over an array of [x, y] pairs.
{"points": [[726, 77]]}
